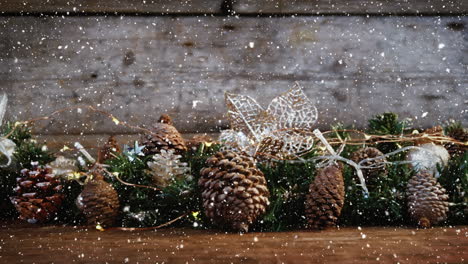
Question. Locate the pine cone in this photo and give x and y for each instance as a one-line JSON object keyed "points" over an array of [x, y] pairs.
{"points": [[427, 200], [109, 147], [459, 134], [38, 194], [99, 201], [167, 167], [234, 191], [325, 199], [165, 136], [366, 153]]}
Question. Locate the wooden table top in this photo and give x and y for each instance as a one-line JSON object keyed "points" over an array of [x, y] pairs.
{"points": [[58, 244]]}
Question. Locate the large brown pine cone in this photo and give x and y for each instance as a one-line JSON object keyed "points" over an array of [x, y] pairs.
{"points": [[234, 191], [367, 153], [164, 136], [38, 194], [427, 200], [99, 201], [325, 199]]}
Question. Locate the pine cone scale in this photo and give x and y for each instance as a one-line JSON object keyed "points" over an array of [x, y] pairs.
{"points": [[427, 200], [164, 136], [325, 199], [38, 196], [99, 202], [235, 193]]}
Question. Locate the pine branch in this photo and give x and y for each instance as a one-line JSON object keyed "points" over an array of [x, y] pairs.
{"points": [[386, 204], [388, 124], [27, 150], [288, 184], [143, 207], [454, 178]]}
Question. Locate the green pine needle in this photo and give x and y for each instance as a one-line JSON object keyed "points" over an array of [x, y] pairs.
{"points": [[27, 151]]}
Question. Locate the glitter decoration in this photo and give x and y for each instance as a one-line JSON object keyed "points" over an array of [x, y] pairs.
{"points": [[167, 167], [7, 146], [64, 167], [282, 131]]}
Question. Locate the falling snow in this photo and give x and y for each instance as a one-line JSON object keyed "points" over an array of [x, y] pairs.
{"points": [[133, 60]]}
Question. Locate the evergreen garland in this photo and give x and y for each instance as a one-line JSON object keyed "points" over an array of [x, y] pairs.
{"points": [[288, 183], [388, 124], [144, 207], [386, 203], [137, 204], [454, 178], [27, 150]]}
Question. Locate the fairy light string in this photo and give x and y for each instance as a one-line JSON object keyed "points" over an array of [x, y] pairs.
{"points": [[364, 139], [327, 142]]}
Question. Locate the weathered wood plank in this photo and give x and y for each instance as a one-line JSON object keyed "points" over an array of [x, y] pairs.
{"points": [[400, 7], [66, 244], [112, 6], [138, 67], [353, 7]]}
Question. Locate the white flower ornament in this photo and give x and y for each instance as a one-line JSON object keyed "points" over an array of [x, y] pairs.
{"points": [[7, 146]]}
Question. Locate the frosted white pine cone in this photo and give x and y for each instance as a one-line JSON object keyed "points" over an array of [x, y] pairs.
{"points": [[167, 167]]}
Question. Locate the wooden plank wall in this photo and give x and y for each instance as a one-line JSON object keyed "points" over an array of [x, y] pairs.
{"points": [[346, 7], [241, 7], [138, 66], [84, 7]]}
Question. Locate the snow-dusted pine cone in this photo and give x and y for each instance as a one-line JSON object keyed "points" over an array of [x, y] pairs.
{"points": [[427, 200], [164, 136], [99, 201], [234, 191], [325, 199], [38, 194], [367, 153]]}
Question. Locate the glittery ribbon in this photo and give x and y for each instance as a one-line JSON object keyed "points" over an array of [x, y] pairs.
{"points": [[7, 148], [335, 157]]}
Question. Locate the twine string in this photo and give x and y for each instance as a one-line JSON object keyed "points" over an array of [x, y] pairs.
{"points": [[374, 139]]}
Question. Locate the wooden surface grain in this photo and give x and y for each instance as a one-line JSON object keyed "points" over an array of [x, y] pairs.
{"points": [[381, 7], [138, 67], [238, 7], [112, 6], [58, 244]]}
